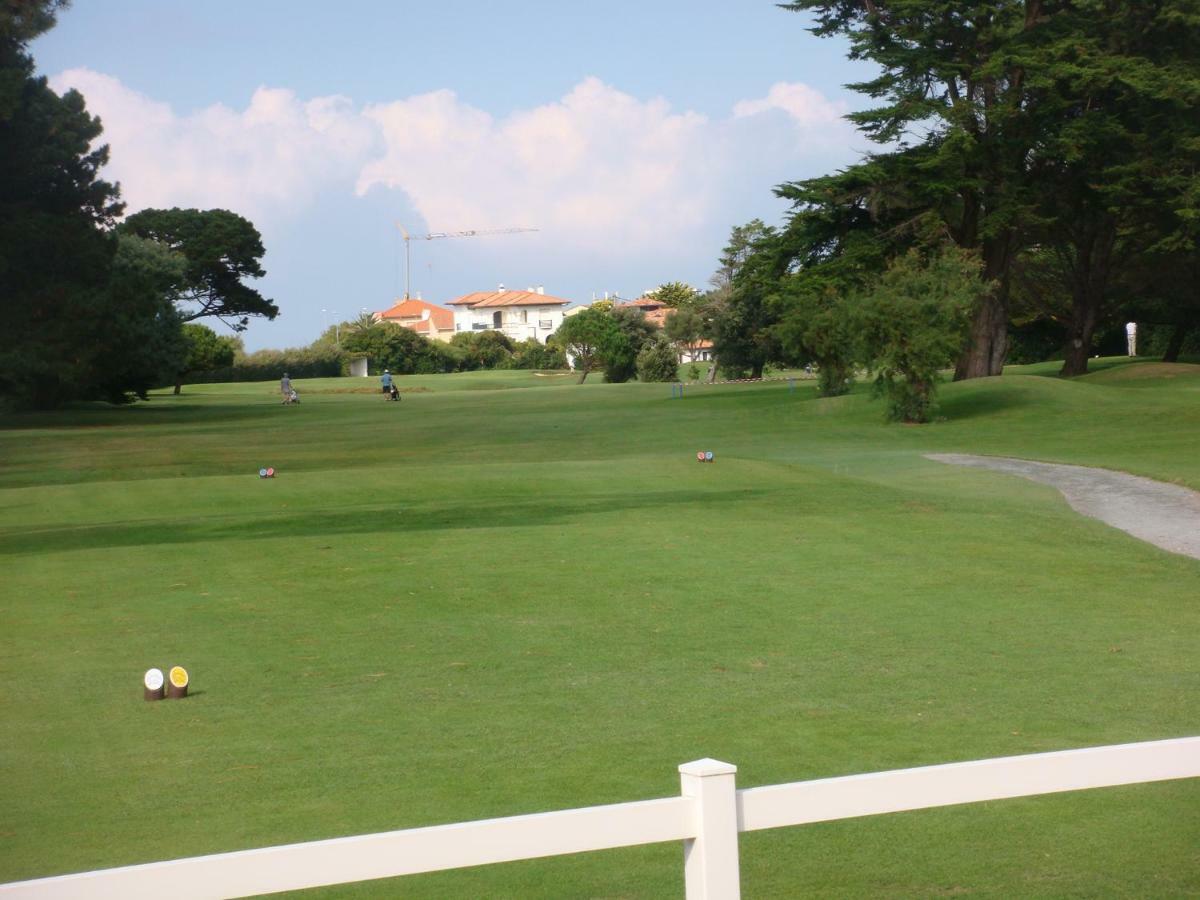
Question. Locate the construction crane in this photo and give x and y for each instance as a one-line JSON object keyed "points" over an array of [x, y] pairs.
{"points": [[436, 235]]}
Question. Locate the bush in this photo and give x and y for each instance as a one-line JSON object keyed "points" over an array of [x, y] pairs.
{"points": [[1036, 341], [658, 361], [401, 350], [483, 349], [620, 351], [532, 354], [913, 322], [815, 328], [620, 362], [269, 365], [1152, 340], [835, 377]]}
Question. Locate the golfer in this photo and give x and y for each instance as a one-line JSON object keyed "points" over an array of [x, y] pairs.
{"points": [[285, 387], [386, 381]]}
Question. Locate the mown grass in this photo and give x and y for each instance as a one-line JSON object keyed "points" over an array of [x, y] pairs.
{"points": [[507, 594]]}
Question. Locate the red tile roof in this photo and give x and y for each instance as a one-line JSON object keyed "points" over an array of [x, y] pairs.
{"points": [[655, 311], [646, 303], [507, 298], [412, 309]]}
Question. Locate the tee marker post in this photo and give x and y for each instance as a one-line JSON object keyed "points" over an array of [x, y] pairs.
{"points": [[153, 682], [177, 682]]}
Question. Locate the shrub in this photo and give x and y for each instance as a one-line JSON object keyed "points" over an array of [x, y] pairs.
{"points": [[267, 365], [913, 322], [658, 361], [1035, 341], [483, 349], [1152, 340], [620, 351], [401, 350], [532, 354]]}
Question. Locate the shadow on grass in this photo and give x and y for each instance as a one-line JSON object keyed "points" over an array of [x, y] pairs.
{"points": [[101, 415], [977, 404], [720, 393], [391, 518]]}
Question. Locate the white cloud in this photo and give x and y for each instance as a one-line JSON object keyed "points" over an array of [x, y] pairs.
{"points": [[272, 157], [805, 105], [595, 169], [596, 165]]}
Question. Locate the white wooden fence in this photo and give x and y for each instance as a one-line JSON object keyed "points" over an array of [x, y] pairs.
{"points": [[706, 817]]}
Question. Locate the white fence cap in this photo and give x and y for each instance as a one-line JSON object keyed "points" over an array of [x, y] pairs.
{"points": [[702, 768]]}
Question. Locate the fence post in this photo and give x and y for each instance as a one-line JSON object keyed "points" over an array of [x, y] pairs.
{"points": [[710, 859]]}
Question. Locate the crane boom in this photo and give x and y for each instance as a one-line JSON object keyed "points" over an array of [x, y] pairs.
{"points": [[436, 235], [475, 232]]}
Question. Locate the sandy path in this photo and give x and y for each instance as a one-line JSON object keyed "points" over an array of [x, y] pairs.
{"points": [[1162, 514]]}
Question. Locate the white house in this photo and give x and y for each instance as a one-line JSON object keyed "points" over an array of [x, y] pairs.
{"points": [[519, 314]]}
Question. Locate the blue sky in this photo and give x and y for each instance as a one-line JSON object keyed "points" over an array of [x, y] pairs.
{"points": [[632, 135]]}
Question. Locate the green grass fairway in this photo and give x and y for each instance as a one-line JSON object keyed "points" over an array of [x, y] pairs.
{"points": [[510, 594]]}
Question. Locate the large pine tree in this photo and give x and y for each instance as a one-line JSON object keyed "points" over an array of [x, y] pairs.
{"points": [[1010, 126], [56, 250]]}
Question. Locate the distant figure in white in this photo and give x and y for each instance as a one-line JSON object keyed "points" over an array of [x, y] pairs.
{"points": [[1131, 337]]}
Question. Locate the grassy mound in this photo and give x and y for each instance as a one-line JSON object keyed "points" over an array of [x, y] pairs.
{"points": [[508, 594], [1149, 370]]}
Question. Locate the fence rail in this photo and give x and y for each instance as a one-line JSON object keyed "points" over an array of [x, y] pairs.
{"points": [[707, 817], [804, 802]]}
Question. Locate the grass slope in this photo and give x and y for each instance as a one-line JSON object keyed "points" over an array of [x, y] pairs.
{"points": [[489, 600]]}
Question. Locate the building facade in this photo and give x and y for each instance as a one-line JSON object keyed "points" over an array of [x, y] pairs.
{"points": [[520, 315]]}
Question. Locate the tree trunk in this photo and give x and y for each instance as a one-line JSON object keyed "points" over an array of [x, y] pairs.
{"points": [[1175, 345], [1079, 337], [583, 376], [1092, 252], [178, 384], [988, 343], [1075, 356], [756, 370]]}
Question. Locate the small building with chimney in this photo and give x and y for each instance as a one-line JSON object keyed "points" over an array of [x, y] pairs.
{"points": [[434, 322]]}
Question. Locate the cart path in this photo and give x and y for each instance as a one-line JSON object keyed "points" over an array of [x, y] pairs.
{"points": [[1165, 515]]}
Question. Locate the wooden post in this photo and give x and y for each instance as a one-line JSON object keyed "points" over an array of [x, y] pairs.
{"points": [[710, 860]]}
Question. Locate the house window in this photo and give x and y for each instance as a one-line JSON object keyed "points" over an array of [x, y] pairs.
{"points": [[524, 316], [545, 324], [479, 326]]}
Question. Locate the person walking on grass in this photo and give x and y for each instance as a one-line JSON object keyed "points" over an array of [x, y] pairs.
{"points": [[386, 381], [285, 388]]}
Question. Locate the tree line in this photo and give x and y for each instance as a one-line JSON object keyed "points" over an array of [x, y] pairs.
{"points": [[1037, 183], [91, 309]]}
